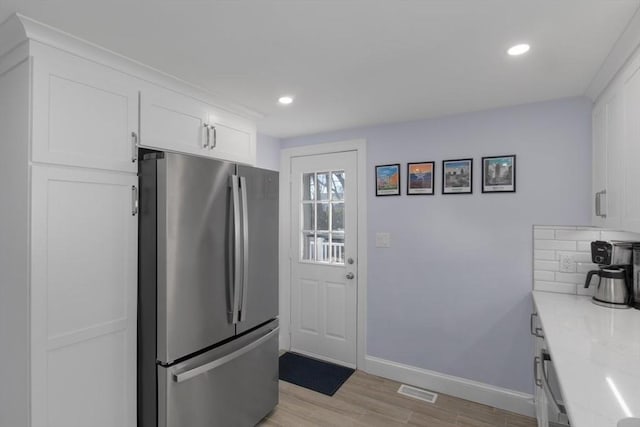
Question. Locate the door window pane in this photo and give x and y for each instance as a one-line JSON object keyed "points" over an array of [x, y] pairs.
{"points": [[308, 216], [337, 216], [323, 185], [323, 216], [323, 246], [337, 185], [308, 247], [337, 250], [309, 186]]}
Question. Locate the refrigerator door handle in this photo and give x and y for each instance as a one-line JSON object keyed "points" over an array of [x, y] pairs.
{"points": [[184, 376], [245, 249], [236, 248]]}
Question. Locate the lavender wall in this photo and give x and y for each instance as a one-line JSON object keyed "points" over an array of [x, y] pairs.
{"points": [[452, 293], [268, 152]]}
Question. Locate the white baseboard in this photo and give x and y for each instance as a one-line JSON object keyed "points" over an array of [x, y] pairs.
{"points": [[498, 397], [283, 340]]}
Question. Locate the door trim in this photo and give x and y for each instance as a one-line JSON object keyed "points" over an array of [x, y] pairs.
{"points": [[360, 147]]}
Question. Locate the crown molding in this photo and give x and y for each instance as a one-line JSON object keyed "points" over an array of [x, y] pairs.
{"points": [[19, 28], [620, 54]]}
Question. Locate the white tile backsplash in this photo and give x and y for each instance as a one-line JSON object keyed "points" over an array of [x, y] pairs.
{"points": [[562, 245], [618, 235], [577, 256], [577, 235], [563, 288], [584, 247], [544, 234], [546, 265], [544, 275], [544, 255], [591, 290], [584, 267], [577, 278], [560, 227], [550, 242]]}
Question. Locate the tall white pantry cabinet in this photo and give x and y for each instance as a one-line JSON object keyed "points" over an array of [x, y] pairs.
{"points": [[71, 119]]}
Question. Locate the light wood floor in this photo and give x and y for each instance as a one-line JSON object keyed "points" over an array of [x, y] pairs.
{"points": [[366, 400]]}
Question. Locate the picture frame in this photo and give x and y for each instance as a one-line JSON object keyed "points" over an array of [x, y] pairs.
{"points": [[420, 179], [457, 176], [499, 174], [388, 180]]}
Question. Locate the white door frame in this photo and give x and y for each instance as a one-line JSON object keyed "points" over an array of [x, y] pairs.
{"points": [[360, 146]]}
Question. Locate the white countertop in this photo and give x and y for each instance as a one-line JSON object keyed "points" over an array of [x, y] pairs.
{"points": [[596, 354]]}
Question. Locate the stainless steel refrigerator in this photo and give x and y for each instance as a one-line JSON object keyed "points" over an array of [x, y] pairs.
{"points": [[208, 292]]}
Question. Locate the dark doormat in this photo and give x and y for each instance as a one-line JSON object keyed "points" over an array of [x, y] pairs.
{"points": [[316, 375]]}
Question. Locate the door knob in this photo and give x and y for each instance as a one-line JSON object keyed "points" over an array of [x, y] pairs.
{"points": [[350, 276]]}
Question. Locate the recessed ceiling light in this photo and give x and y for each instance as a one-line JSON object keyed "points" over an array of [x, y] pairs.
{"points": [[518, 49], [285, 100]]}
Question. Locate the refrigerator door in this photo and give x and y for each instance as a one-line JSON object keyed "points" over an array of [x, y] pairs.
{"points": [[194, 283], [232, 385], [259, 300]]}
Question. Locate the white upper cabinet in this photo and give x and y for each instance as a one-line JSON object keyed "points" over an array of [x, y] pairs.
{"points": [[607, 158], [176, 122], [599, 164], [616, 152], [172, 121], [84, 114], [631, 161], [233, 137]]}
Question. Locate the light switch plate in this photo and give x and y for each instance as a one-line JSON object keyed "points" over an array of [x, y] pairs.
{"points": [[383, 240]]}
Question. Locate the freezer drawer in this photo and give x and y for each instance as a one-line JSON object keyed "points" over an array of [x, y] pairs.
{"points": [[233, 385]]}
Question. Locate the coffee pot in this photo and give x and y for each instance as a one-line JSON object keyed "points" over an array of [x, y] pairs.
{"points": [[612, 289]]}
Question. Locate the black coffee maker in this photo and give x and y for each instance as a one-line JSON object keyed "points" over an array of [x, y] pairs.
{"points": [[635, 294], [615, 276]]}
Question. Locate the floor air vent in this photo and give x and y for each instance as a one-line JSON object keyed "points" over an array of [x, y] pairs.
{"points": [[418, 393]]}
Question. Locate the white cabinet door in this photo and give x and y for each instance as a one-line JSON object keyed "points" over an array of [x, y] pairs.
{"points": [[84, 113], [172, 121], [176, 122], [234, 137], [599, 165], [608, 154], [631, 178], [542, 414], [83, 298], [613, 135]]}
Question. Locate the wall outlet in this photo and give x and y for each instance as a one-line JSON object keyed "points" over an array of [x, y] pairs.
{"points": [[567, 263], [383, 240]]}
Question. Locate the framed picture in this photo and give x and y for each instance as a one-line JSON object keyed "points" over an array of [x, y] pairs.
{"points": [[420, 178], [457, 176], [499, 174], [388, 180]]}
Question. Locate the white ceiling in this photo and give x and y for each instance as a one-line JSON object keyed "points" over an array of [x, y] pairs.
{"points": [[354, 62]]}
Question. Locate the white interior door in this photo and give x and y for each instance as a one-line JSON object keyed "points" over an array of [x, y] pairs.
{"points": [[324, 215]]}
